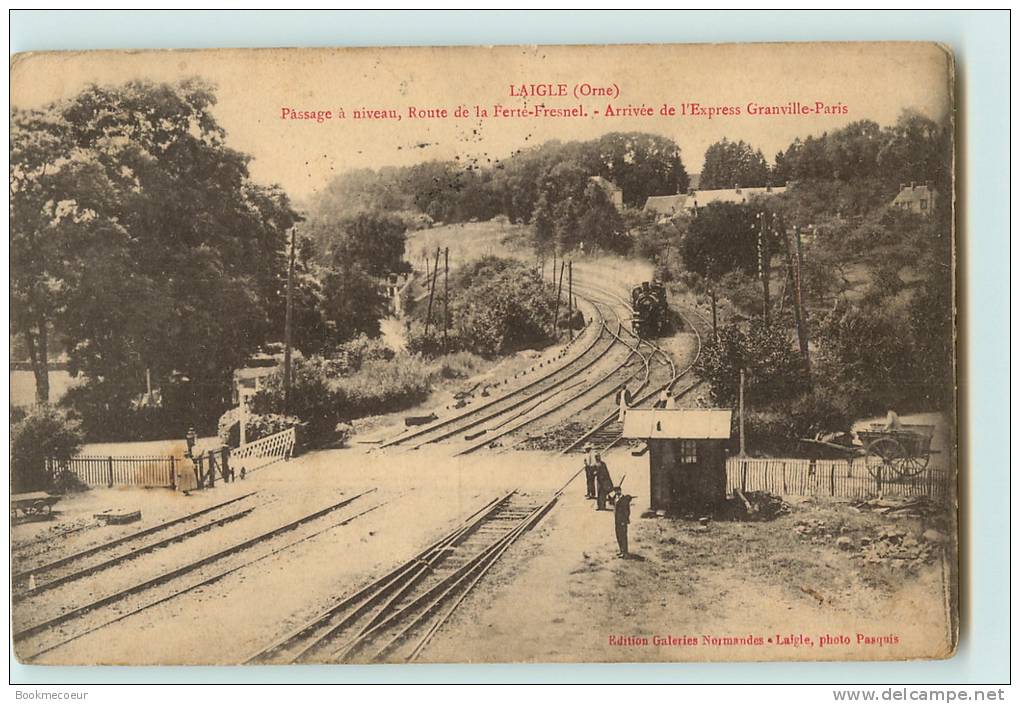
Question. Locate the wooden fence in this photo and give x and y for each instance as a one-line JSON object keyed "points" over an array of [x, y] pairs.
{"points": [[264, 451], [804, 477], [109, 471]]}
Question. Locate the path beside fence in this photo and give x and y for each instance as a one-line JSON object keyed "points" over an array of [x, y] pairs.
{"points": [[840, 478]]}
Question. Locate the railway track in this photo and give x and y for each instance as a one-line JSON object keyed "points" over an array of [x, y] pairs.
{"points": [[40, 578], [580, 400], [521, 400], [394, 617], [71, 622], [608, 432]]}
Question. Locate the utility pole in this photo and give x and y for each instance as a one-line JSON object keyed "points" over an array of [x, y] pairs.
{"points": [[446, 297], [793, 261], [287, 324], [432, 292], [570, 297], [764, 267], [743, 449], [802, 333], [559, 289]]}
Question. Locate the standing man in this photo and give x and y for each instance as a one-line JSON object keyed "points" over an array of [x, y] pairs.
{"points": [[663, 398], [623, 400], [603, 483], [190, 437], [589, 471], [622, 516]]}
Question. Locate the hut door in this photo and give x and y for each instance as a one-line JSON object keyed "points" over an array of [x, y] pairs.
{"points": [[686, 471]]}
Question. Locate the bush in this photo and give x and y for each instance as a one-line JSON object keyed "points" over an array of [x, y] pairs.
{"points": [[45, 432], [459, 365], [774, 370], [312, 399], [350, 355], [497, 306], [383, 387]]}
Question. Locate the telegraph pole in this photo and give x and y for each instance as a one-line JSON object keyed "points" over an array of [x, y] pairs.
{"points": [[559, 289], [802, 333], [287, 324], [743, 449], [793, 262], [432, 292], [446, 297], [570, 297]]}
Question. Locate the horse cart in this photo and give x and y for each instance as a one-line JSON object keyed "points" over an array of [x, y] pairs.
{"points": [[901, 451], [889, 453]]}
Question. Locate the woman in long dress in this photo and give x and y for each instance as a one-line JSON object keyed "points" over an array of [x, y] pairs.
{"points": [[187, 480]]}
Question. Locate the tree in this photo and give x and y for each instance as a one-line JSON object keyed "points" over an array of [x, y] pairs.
{"points": [[129, 194], [774, 371], [543, 228], [722, 238], [600, 223], [641, 164], [731, 164]]}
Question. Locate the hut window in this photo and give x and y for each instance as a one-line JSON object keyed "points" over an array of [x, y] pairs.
{"points": [[688, 451]]}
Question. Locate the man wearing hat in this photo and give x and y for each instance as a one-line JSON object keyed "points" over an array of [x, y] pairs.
{"points": [[589, 470], [622, 516], [603, 483]]}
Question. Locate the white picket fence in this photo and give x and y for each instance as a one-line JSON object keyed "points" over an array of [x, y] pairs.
{"points": [[264, 451]]}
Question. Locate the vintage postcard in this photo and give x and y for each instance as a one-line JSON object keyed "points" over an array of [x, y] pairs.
{"points": [[483, 355]]}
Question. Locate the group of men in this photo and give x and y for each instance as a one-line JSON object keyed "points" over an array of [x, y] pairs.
{"points": [[599, 486]]}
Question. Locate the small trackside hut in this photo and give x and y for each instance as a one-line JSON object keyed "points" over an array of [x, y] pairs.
{"points": [[687, 451]]}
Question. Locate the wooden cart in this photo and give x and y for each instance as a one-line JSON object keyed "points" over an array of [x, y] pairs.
{"points": [[34, 503], [897, 452]]}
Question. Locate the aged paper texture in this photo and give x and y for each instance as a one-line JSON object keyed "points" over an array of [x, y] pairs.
{"points": [[484, 354]]}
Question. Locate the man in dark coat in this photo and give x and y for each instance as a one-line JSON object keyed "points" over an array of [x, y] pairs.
{"points": [[622, 516], [589, 471], [603, 483]]}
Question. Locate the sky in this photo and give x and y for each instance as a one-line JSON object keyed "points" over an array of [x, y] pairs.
{"points": [[852, 81]]}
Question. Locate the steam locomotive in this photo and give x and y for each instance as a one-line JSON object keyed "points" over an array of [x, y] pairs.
{"points": [[651, 312]]}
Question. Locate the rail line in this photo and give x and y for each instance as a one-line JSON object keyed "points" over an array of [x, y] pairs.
{"points": [[539, 390], [395, 616], [54, 624], [20, 577], [590, 387], [599, 329], [609, 431]]}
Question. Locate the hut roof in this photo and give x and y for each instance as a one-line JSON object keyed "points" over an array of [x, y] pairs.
{"points": [[683, 424]]}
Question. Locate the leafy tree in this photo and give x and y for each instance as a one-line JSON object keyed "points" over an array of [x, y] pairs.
{"points": [[45, 432], [729, 164], [600, 221], [722, 238], [642, 165], [774, 371], [865, 352], [543, 228], [129, 193], [353, 303]]}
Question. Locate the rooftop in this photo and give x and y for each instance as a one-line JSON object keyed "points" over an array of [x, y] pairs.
{"points": [[681, 423]]}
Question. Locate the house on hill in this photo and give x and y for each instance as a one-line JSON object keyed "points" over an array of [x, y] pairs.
{"points": [[667, 207], [614, 192], [916, 198]]}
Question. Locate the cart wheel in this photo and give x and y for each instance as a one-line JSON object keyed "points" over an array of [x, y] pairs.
{"points": [[882, 458], [912, 465]]}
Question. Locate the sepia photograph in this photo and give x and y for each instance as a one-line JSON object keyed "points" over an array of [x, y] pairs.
{"points": [[484, 354]]}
